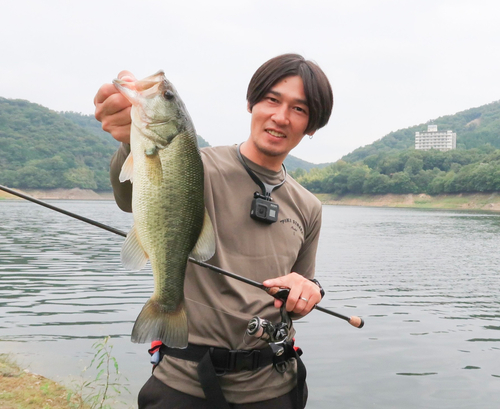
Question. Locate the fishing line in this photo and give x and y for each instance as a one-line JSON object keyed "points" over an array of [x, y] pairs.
{"points": [[216, 309], [279, 293], [246, 339]]}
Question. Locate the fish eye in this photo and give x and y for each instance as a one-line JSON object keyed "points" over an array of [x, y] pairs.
{"points": [[169, 95]]}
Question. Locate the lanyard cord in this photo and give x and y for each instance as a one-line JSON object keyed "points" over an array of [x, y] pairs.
{"points": [[266, 188]]}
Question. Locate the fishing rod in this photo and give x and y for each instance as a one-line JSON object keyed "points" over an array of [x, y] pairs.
{"points": [[279, 293]]}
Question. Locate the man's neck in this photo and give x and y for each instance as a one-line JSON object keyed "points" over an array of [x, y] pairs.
{"points": [[251, 152]]}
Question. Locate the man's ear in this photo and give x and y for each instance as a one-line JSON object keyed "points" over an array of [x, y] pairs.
{"points": [[248, 107], [310, 134]]}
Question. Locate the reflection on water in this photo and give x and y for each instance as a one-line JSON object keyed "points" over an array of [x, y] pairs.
{"points": [[426, 283]]}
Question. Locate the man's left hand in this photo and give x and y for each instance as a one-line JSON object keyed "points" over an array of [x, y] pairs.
{"points": [[304, 294]]}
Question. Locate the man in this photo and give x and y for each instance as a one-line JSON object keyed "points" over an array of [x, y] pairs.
{"points": [[288, 98]]}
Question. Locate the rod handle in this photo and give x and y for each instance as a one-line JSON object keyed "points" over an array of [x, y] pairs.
{"points": [[356, 322], [282, 294]]}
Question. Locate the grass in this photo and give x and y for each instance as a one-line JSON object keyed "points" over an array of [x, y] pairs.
{"points": [[21, 389], [107, 389]]}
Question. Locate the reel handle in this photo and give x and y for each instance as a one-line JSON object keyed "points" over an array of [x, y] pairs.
{"points": [[278, 293]]}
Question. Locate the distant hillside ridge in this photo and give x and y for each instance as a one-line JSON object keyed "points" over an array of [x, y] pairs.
{"points": [[474, 127], [293, 163], [393, 165], [44, 149]]}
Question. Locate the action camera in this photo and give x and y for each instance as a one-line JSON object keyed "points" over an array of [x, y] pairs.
{"points": [[263, 209]]}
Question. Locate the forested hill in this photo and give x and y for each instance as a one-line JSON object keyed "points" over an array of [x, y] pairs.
{"points": [[43, 149], [392, 165], [474, 127]]}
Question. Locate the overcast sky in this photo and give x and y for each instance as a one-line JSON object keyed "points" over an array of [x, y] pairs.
{"points": [[392, 63]]}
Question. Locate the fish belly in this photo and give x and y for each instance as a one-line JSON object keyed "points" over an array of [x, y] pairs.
{"points": [[168, 210]]}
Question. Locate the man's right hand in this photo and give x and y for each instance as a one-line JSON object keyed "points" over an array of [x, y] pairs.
{"points": [[112, 109]]}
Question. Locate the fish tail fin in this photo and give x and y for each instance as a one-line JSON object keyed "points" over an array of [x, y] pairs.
{"points": [[154, 323]]}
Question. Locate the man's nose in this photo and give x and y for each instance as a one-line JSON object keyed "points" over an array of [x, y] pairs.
{"points": [[280, 116]]}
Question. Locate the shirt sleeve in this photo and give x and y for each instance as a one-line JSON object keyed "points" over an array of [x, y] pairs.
{"points": [[121, 191]]}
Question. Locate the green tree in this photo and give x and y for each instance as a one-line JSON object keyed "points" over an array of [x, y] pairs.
{"points": [[413, 165], [402, 183], [376, 183], [298, 173], [356, 179], [80, 177]]}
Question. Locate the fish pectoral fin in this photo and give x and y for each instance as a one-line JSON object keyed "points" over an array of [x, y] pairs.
{"points": [[205, 246], [133, 255], [127, 171], [154, 168]]}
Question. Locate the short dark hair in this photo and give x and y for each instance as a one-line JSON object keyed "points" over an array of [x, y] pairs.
{"points": [[317, 88]]}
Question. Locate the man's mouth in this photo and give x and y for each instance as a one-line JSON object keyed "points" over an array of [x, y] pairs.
{"points": [[276, 133]]}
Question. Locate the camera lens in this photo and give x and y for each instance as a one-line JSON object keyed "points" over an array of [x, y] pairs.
{"points": [[261, 210]]}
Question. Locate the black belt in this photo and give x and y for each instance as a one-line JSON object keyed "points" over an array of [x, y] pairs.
{"points": [[214, 362], [224, 360]]}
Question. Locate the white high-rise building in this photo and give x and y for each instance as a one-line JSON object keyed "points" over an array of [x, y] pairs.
{"points": [[432, 139]]}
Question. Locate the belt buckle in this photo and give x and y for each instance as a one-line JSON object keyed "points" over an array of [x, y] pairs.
{"points": [[248, 360]]}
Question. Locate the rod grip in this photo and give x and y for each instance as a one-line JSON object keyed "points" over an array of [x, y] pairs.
{"points": [[356, 322]]}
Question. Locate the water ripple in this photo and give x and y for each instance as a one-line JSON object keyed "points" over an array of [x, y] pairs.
{"points": [[425, 282]]}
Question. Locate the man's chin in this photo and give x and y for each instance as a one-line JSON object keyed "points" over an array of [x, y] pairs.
{"points": [[272, 152]]}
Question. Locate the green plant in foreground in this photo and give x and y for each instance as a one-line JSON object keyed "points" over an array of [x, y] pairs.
{"points": [[105, 390]]}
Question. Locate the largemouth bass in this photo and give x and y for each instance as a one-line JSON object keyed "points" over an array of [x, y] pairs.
{"points": [[170, 219]]}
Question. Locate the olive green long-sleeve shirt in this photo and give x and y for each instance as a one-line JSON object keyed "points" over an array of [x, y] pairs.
{"points": [[219, 307]]}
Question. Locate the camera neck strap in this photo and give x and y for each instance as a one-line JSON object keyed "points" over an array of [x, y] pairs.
{"points": [[267, 189]]}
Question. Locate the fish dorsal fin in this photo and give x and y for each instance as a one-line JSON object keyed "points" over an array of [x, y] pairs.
{"points": [[133, 256], [127, 171], [205, 246]]}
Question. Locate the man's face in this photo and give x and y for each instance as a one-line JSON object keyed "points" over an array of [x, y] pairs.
{"points": [[280, 119]]}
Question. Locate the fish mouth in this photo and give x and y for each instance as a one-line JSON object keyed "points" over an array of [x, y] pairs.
{"points": [[275, 133], [134, 91]]}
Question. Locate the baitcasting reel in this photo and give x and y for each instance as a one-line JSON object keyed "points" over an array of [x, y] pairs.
{"points": [[263, 329], [278, 337]]}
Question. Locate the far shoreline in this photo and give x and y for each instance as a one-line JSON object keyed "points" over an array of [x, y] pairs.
{"points": [[60, 194], [489, 202]]}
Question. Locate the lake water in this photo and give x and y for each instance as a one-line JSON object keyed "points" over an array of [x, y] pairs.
{"points": [[425, 282]]}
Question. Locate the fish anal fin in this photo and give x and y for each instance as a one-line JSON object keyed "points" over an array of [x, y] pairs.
{"points": [[156, 323], [205, 246], [127, 171], [133, 255]]}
